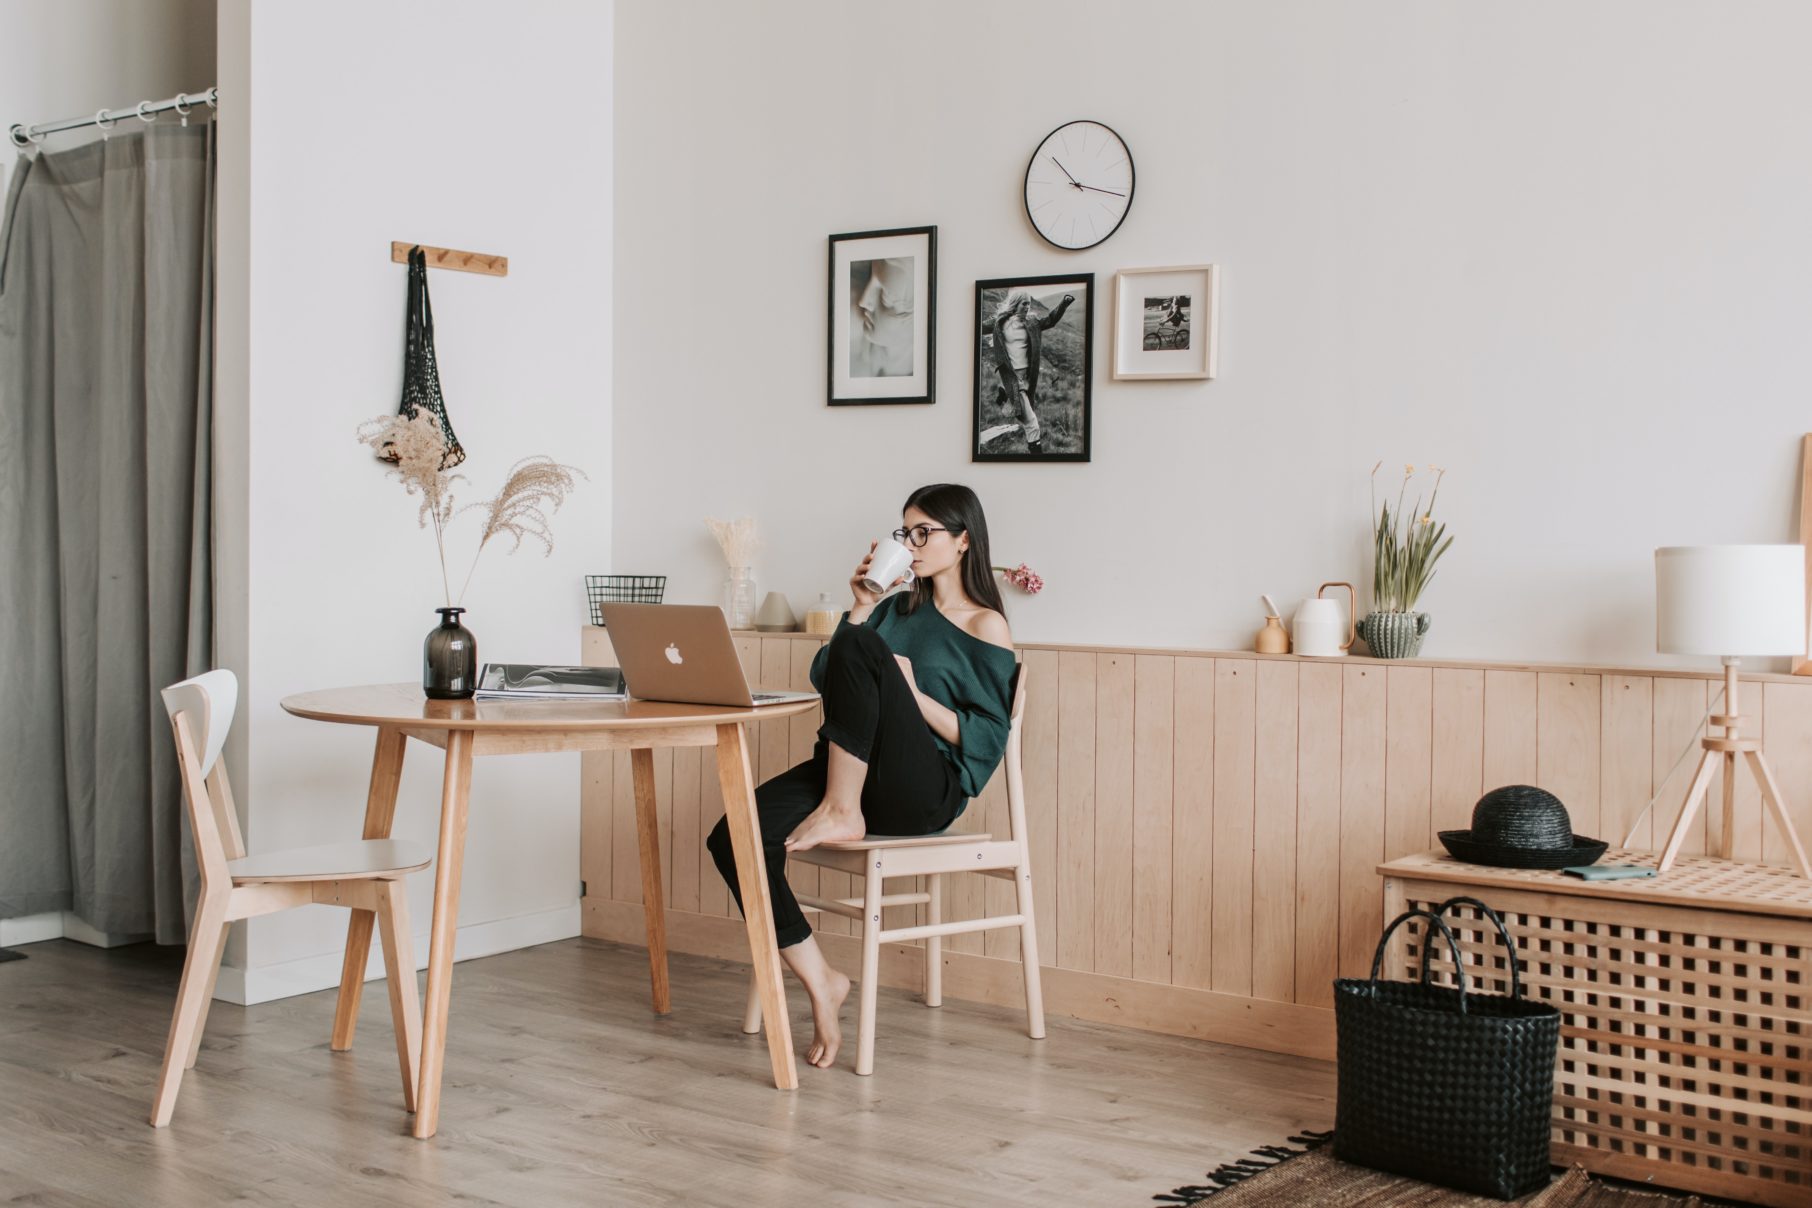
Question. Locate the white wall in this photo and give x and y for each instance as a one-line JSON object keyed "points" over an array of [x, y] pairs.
{"points": [[466, 125], [65, 58], [1560, 249]]}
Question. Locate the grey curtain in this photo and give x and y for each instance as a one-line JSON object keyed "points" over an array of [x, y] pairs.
{"points": [[106, 350]]}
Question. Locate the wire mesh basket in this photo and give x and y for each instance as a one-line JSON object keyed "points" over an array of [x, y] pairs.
{"points": [[622, 589]]}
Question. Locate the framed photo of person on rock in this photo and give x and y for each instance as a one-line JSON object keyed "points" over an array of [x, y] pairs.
{"points": [[1034, 361]]}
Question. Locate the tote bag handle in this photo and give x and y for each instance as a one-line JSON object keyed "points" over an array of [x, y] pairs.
{"points": [[1452, 944], [1516, 984]]}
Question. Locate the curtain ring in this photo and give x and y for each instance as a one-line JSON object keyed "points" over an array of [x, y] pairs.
{"points": [[142, 115], [213, 98], [103, 121], [19, 135], [181, 105]]}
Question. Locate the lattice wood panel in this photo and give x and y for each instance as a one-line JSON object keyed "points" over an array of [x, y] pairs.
{"points": [[1684, 1032]]}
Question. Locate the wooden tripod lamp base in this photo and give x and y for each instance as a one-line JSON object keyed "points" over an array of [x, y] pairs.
{"points": [[1730, 600], [1725, 750]]}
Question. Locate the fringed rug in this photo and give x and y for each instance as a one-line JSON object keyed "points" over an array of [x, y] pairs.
{"points": [[1291, 1177]]}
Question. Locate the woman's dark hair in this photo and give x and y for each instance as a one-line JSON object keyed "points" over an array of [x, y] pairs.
{"points": [[956, 508]]}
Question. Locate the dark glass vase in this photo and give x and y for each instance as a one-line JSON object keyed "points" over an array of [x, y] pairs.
{"points": [[449, 659]]}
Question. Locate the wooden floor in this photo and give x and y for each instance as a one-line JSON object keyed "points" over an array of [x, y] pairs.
{"points": [[562, 1088]]}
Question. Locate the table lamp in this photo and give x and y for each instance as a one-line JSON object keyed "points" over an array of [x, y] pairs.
{"points": [[1730, 601]]}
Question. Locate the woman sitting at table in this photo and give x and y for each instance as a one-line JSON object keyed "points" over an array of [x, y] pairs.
{"points": [[917, 689]]}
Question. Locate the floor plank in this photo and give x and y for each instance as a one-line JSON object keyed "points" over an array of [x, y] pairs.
{"points": [[562, 1088]]}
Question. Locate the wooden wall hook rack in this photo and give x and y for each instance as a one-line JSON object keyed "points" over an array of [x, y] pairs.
{"points": [[446, 257]]}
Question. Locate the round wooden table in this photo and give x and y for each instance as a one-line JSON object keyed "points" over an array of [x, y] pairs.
{"points": [[468, 728]]}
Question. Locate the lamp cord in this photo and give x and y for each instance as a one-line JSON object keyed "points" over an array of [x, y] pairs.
{"points": [[1711, 708]]}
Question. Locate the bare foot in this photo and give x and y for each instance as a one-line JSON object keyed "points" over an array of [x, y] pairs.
{"points": [[827, 824], [827, 1033]]}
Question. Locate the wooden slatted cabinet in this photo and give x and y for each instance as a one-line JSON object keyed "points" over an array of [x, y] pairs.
{"points": [[1686, 1005]]}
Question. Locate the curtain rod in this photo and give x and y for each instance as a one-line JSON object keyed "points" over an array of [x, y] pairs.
{"points": [[182, 102]]}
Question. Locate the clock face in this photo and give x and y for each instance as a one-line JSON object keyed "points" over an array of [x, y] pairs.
{"points": [[1079, 185]]}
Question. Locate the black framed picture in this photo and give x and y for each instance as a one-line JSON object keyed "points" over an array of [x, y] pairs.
{"points": [[883, 317], [1034, 362]]}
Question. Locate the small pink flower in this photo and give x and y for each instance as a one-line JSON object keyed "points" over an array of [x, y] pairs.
{"points": [[1023, 577]]}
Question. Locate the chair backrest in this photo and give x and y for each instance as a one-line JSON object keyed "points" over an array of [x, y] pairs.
{"points": [[201, 712], [1016, 794]]}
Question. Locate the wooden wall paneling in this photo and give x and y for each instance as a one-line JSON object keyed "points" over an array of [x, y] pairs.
{"points": [[1235, 755], [1317, 920], [1568, 745], [1274, 834], [596, 825], [1627, 778], [626, 875], [1748, 792], [1457, 764], [688, 841], [1408, 759], [1154, 736], [965, 896], [1362, 745], [1076, 809], [1039, 741], [1192, 825], [713, 895], [1114, 870], [1787, 742], [1510, 728], [1679, 724]]}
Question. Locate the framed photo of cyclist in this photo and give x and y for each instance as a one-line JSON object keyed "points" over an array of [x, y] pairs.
{"points": [[1034, 359], [1164, 322]]}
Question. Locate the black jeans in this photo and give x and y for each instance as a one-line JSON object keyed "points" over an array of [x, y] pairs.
{"points": [[869, 711]]}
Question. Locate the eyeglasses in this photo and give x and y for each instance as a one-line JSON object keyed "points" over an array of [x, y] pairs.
{"points": [[918, 534]]}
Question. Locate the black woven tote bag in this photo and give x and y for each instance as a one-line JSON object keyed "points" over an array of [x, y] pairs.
{"points": [[1439, 1084], [421, 369]]}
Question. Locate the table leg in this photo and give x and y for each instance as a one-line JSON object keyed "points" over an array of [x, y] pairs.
{"points": [[738, 783], [455, 789], [654, 906], [380, 812]]}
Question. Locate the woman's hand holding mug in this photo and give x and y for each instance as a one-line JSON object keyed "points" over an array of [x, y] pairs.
{"points": [[857, 588]]}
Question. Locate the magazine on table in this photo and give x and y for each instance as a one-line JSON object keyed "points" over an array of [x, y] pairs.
{"points": [[531, 680]]}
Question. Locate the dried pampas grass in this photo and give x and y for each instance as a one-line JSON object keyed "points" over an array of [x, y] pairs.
{"points": [[536, 487], [736, 538]]}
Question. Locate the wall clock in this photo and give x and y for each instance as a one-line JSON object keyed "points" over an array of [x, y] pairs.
{"points": [[1079, 185]]}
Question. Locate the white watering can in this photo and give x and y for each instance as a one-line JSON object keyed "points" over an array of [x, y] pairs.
{"points": [[1319, 630]]}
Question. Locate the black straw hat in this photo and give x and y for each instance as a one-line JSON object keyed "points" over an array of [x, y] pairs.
{"points": [[1521, 826]]}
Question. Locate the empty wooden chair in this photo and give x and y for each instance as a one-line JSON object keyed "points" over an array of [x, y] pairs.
{"points": [[877, 858], [365, 874]]}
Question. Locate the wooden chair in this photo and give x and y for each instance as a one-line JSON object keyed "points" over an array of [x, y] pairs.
{"points": [[876, 858], [365, 874]]}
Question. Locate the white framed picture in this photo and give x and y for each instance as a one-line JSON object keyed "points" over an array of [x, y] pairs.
{"points": [[1164, 322], [883, 317]]}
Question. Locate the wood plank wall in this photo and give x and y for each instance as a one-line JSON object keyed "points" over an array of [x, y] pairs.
{"points": [[1205, 828]]}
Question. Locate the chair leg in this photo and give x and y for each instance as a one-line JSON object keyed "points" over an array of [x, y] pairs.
{"points": [[1028, 952], [751, 1015], [934, 944], [399, 972], [207, 941], [871, 972], [207, 1001]]}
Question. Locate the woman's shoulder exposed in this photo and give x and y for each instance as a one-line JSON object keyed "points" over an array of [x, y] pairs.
{"points": [[988, 625]]}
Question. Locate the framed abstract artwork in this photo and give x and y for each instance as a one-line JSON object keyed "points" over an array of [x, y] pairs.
{"points": [[883, 317]]}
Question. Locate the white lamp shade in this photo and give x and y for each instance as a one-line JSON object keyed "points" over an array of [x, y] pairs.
{"points": [[1730, 600]]}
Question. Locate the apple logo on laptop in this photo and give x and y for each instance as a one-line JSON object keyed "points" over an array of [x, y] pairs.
{"points": [[673, 654]]}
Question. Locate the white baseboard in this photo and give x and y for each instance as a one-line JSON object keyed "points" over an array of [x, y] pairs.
{"points": [[31, 929], [267, 983], [59, 925]]}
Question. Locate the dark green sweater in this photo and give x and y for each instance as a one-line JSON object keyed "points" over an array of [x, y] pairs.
{"points": [[971, 677]]}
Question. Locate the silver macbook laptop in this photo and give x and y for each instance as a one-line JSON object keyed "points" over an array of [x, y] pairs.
{"points": [[683, 653]]}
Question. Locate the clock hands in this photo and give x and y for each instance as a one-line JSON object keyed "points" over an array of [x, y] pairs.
{"points": [[1078, 184]]}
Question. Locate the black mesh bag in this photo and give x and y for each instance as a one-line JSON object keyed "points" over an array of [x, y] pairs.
{"points": [[421, 375]]}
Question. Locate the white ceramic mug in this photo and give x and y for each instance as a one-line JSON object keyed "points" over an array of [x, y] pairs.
{"points": [[890, 561]]}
